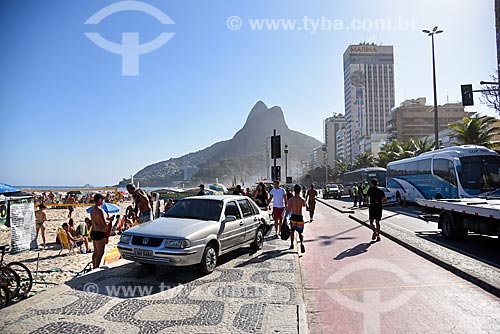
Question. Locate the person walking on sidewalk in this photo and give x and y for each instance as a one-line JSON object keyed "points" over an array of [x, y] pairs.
{"points": [[278, 196], [311, 201], [355, 195], [366, 187], [360, 194], [375, 197], [295, 205]]}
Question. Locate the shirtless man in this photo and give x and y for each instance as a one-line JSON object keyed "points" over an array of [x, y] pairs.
{"points": [[142, 205], [99, 228], [295, 205], [311, 201], [40, 219]]}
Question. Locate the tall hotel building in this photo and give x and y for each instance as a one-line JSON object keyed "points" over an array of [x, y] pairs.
{"points": [[368, 94]]}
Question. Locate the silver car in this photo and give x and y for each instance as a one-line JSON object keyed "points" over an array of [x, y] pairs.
{"points": [[197, 230]]}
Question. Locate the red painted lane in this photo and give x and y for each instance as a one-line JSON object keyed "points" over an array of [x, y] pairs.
{"points": [[354, 286]]}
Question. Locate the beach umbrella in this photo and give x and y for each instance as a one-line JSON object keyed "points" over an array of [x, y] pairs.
{"points": [[107, 207], [5, 188]]}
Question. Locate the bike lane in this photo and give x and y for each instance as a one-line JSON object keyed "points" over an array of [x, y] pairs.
{"points": [[352, 285]]}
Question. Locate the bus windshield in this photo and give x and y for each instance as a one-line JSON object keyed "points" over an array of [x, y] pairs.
{"points": [[480, 173]]}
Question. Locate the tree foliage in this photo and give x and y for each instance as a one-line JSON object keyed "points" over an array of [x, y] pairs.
{"points": [[491, 95], [476, 131], [364, 160]]}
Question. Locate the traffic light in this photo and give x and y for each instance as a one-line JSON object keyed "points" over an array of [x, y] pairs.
{"points": [[276, 173], [276, 147], [467, 95]]}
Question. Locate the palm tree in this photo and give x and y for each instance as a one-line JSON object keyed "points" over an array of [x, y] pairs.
{"points": [[394, 151], [475, 130], [422, 146], [341, 168], [365, 159]]}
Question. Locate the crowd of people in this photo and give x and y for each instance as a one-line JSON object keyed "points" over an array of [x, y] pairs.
{"points": [[99, 226], [76, 197]]}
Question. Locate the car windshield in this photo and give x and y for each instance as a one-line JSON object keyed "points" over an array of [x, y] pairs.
{"points": [[480, 173], [204, 209]]}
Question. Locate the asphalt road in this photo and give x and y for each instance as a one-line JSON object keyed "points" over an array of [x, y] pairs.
{"points": [[479, 247], [353, 285]]}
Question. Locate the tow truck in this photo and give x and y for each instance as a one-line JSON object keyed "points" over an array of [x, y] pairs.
{"points": [[456, 217]]}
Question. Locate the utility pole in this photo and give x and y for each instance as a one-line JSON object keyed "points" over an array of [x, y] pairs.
{"points": [[431, 33]]}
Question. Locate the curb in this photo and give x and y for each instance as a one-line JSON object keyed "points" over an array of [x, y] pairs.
{"points": [[335, 208], [463, 273]]}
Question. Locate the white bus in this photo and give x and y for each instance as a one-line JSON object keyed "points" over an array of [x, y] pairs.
{"points": [[452, 172], [349, 179]]}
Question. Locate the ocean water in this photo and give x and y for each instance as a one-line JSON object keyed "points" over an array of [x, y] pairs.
{"points": [[65, 188]]}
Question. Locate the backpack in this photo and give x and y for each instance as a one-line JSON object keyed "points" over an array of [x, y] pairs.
{"points": [[285, 231]]}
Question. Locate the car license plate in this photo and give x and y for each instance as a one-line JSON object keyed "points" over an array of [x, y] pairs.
{"points": [[143, 252]]}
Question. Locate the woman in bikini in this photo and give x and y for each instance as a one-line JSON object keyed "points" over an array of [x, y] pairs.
{"points": [[40, 219]]}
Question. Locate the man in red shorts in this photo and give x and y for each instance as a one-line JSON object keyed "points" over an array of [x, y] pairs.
{"points": [[278, 196]]}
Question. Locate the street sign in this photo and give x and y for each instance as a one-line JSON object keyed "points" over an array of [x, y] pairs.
{"points": [[467, 95], [276, 147], [276, 173]]}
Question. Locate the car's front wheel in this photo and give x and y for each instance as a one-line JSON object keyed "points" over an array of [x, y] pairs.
{"points": [[258, 243], [209, 260]]}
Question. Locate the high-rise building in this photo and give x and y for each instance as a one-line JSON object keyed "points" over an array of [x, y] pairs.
{"points": [[368, 93], [332, 126], [415, 119], [497, 20]]}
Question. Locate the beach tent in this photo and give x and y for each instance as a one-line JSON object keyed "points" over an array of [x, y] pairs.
{"points": [[6, 189], [107, 207], [176, 194], [219, 188]]}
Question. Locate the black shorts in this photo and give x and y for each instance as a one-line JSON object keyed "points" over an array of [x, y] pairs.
{"points": [[97, 235], [71, 209], [375, 212]]}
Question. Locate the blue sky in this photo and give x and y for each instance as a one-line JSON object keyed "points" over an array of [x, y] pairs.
{"points": [[70, 117]]}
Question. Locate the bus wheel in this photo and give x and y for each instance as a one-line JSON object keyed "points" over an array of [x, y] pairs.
{"points": [[439, 196]]}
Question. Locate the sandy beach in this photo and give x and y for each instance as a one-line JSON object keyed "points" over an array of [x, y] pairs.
{"points": [[55, 269]]}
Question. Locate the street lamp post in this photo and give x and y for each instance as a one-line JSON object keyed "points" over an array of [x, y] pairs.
{"points": [[325, 157], [432, 33], [286, 162]]}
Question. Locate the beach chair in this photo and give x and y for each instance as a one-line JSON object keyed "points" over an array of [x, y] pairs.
{"points": [[65, 243]]}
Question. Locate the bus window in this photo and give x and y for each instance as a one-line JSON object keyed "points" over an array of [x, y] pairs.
{"points": [[411, 168], [445, 170], [424, 166], [480, 172]]}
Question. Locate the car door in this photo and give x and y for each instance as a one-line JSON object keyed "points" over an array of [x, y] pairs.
{"points": [[250, 218], [233, 232]]}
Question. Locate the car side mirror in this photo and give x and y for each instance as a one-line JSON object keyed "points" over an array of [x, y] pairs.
{"points": [[229, 219]]}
